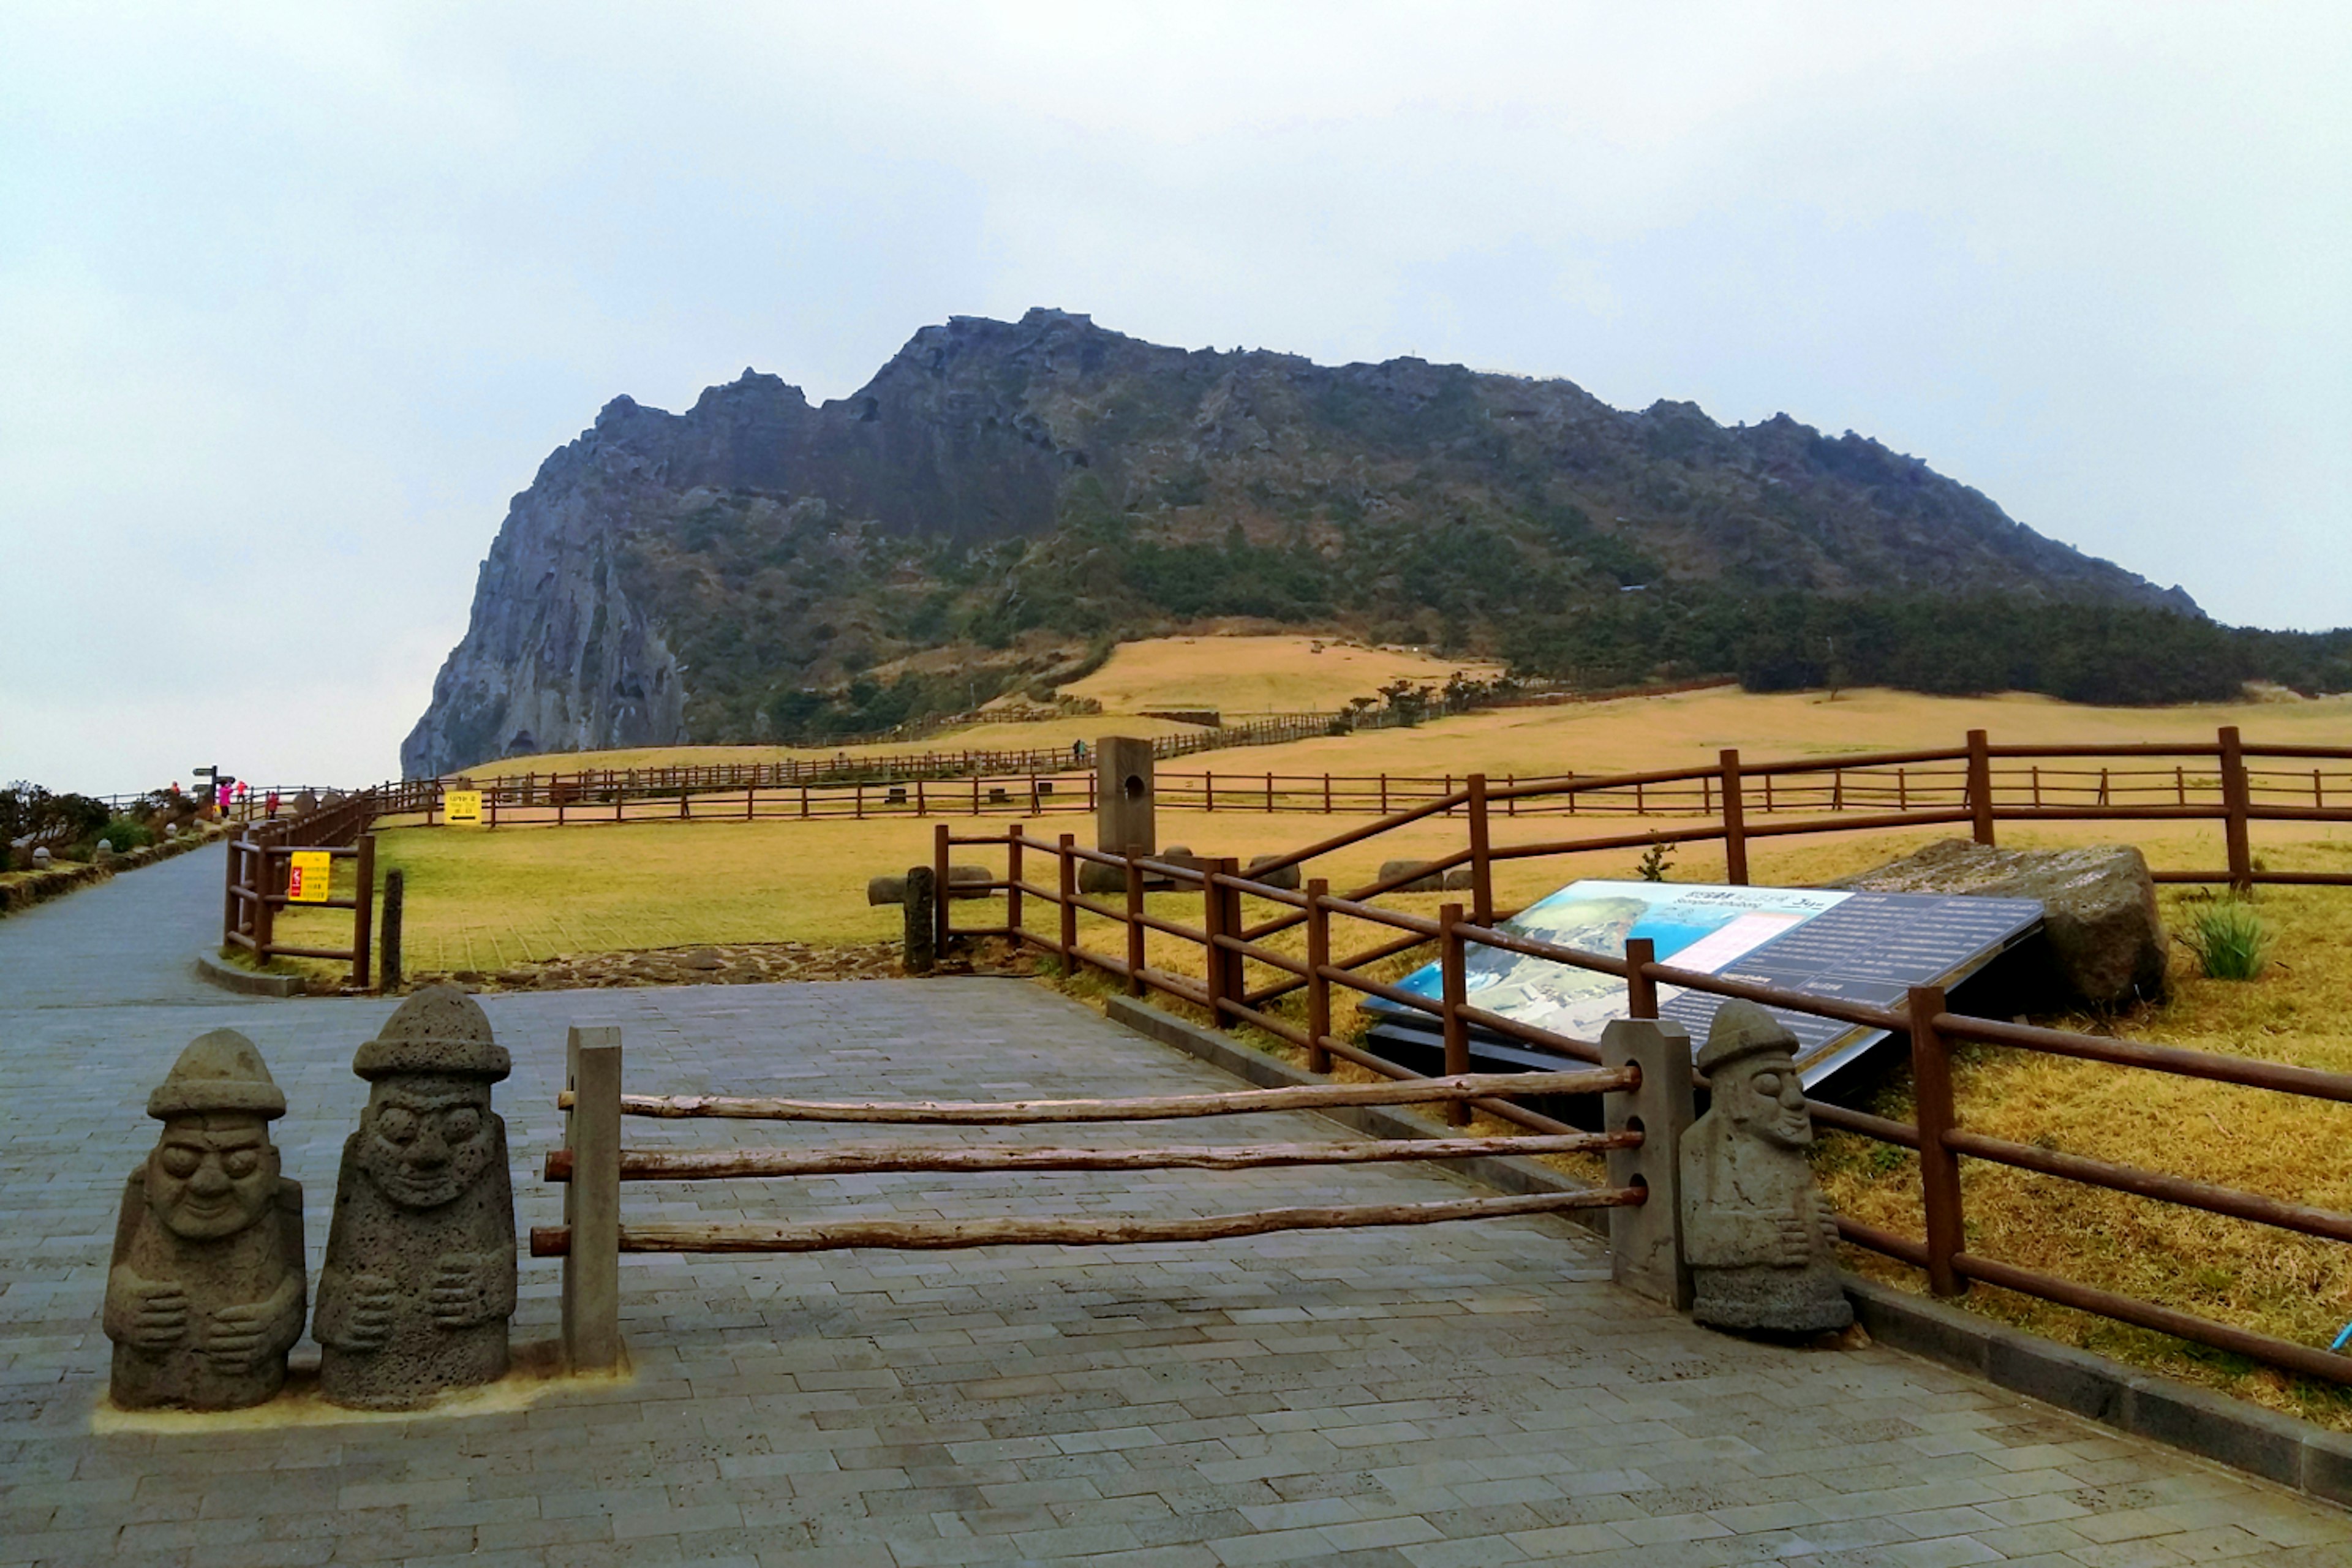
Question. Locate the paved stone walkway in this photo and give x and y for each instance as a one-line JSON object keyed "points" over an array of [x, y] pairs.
{"points": [[1462, 1394], [1455, 1394], [131, 940]]}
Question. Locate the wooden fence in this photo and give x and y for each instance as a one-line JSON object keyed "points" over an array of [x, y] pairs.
{"points": [[1238, 977], [260, 861], [593, 1164]]}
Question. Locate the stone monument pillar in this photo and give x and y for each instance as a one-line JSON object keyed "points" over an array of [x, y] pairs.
{"points": [[206, 1293], [1756, 1230], [419, 1279], [1124, 819]]}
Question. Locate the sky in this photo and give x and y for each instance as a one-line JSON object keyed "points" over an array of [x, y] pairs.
{"points": [[293, 299]]}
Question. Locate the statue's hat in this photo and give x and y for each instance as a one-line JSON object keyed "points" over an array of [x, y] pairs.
{"points": [[218, 1071], [1742, 1028], [438, 1030]]}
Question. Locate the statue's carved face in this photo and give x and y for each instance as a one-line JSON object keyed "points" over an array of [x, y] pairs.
{"points": [[1765, 1095], [426, 1138], [212, 1175]]}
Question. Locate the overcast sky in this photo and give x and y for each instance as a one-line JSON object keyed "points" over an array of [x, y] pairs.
{"points": [[293, 299]]}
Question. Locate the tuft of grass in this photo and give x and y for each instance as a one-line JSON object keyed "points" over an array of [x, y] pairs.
{"points": [[2229, 940]]}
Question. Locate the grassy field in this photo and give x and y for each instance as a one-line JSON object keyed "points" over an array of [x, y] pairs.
{"points": [[1257, 674], [1232, 674]]}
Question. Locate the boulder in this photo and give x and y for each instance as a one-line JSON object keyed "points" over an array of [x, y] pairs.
{"points": [[1433, 882], [2104, 942], [1095, 878], [886, 890], [1459, 879], [1286, 877], [970, 881]]}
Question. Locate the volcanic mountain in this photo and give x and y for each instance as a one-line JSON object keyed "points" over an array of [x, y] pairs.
{"points": [[1005, 499]]}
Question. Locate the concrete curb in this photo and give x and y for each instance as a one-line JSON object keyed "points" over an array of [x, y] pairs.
{"points": [[229, 977], [2281, 1448]]}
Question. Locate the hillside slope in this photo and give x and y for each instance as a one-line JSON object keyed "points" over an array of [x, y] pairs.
{"points": [[1000, 497]]}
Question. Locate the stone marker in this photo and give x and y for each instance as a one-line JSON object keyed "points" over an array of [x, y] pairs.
{"points": [[920, 903], [205, 1292], [1430, 883], [1757, 1233], [1126, 798], [886, 890], [41, 857], [2102, 938], [306, 803], [419, 1279], [103, 853], [171, 830], [1286, 877]]}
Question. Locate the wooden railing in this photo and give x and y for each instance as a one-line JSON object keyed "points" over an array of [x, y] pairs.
{"points": [[260, 861], [2228, 781], [593, 1164]]}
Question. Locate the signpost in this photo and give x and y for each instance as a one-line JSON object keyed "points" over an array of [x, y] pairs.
{"points": [[309, 874], [464, 807]]}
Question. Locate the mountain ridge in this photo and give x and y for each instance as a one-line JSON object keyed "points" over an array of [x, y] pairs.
{"points": [[999, 497]]}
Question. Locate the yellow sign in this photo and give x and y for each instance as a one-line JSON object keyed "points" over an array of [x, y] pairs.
{"points": [[464, 806], [307, 882]]}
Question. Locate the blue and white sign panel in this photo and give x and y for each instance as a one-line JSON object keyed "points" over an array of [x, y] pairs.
{"points": [[1855, 947]]}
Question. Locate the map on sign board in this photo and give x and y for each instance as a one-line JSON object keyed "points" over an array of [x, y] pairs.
{"points": [[1855, 947], [463, 807], [309, 874]]}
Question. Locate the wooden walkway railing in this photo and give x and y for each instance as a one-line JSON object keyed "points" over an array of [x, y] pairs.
{"points": [[259, 869], [1237, 977], [1641, 1093]]}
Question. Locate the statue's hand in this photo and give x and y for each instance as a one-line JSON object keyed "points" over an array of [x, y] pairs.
{"points": [[463, 1287], [159, 1317], [240, 1336], [366, 1314], [1797, 1234]]}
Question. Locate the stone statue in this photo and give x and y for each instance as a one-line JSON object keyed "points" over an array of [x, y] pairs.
{"points": [[419, 1279], [206, 1293], [1756, 1231]]}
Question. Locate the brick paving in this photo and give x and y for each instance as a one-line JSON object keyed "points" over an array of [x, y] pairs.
{"points": [[1453, 1395]]}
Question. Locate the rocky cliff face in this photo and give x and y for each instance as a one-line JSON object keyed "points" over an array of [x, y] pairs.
{"points": [[1001, 493]]}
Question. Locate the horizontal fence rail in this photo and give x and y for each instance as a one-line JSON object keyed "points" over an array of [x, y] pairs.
{"points": [[591, 1165]]}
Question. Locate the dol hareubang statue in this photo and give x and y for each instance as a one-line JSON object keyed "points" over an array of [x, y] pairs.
{"points": [[1757, 1233], [206, 1293], [419, 1279]]}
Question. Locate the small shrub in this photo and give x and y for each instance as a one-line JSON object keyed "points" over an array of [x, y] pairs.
{"points": [[125, 834], [1656, 861], [2229, 940]]}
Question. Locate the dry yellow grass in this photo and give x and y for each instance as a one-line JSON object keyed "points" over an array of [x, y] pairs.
{"points": [[1257, 674]]}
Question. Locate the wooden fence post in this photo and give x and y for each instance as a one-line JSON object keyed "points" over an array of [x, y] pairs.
{"points": [[1065, 868], [1482, 865], [1452, 967], [265, 913], [1645, 1242], [1013, 880], [1641, 990], [364, 915], [1981, 786], [388, 964], [1318, 989], [2236, 799], [1220, 968], [1939, 1168], [941, 927], [1734, 820], [1134, 925], [592, 1202]]}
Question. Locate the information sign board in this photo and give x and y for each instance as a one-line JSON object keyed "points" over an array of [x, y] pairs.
{"points": [[463, 807], [1855, 947], [309, 875]]}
